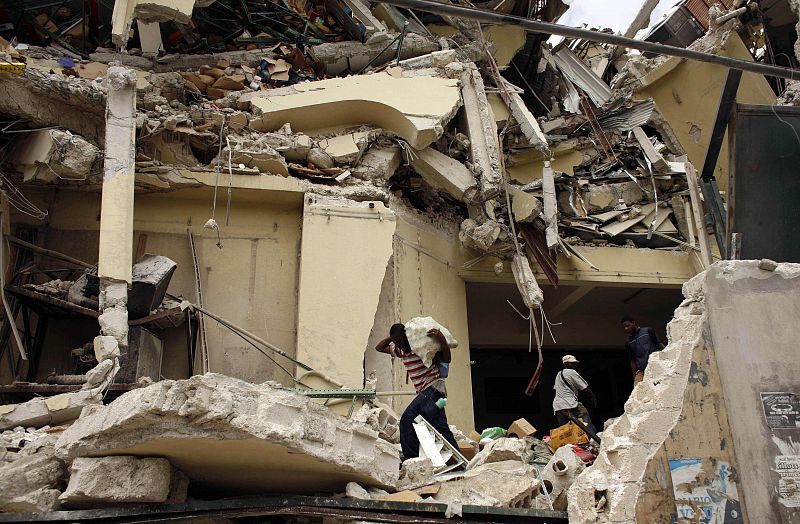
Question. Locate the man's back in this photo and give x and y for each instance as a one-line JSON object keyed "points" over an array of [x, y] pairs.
{"points": [[567, 385]]}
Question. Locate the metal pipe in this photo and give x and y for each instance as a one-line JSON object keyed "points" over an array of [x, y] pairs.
{"points": [[537, 26]]}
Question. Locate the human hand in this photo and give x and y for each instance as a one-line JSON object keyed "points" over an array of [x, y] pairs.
{"points": [[435, 333]]}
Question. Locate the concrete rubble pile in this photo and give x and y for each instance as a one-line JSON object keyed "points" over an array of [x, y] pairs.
{"points": [[502, 474]]}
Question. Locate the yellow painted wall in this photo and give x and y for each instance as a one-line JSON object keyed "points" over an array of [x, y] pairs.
{"points": [[688, 97], [428, 284], [251, 281], [345, 252]]}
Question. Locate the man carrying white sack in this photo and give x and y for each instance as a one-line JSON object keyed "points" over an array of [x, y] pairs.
{"points": [[428, 382]]}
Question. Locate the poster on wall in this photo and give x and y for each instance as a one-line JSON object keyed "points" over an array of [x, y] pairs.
{"points": [[788, 469], [705, 500], [781, 409]]}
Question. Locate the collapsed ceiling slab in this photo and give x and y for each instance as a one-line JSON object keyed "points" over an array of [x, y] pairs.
{"points": [[416, 109], [229, 435]]}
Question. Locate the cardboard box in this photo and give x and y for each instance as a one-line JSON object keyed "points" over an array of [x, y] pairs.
{"points": [[521, 428], [569, 433], [475, 436], [468, 450]]}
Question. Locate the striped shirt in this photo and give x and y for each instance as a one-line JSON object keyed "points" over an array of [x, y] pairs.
{"points": [[421, 376]]}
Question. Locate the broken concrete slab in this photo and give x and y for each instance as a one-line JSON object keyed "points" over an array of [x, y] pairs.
{"points": [[500, 450], [54, 100], [499, 484], [652, 411], [254, 154], [480, 237], [523, 116], [53, 410], [53, 154], [524, 206], [228, 435], [101, 481], [416, 109], [481, 129], [444, 172], [28, 483]]}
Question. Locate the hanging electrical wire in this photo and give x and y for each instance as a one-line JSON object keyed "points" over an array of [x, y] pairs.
{"points": [[19, 201]]}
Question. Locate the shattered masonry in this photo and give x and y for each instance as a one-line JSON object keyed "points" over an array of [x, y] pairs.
{"points": [[215, 209]]}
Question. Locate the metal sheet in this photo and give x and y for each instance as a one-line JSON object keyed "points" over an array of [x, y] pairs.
{"points": [[581, 75], [629, 117], [765, 182]]}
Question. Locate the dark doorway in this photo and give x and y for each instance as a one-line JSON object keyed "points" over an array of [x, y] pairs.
{"points": [[499, 378], [585, 322]]}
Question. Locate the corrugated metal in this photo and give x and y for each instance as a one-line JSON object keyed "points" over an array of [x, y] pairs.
{"points": [[626, 118], [579, 74], [699, 9]]}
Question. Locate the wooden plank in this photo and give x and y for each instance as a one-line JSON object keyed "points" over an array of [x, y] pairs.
{"points": [[694, 194]]}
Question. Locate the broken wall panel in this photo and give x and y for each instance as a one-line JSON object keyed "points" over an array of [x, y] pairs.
{"points": [[345, 250]]}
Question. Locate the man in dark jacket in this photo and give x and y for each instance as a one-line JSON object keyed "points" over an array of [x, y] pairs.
{"points": [[642, 342]]}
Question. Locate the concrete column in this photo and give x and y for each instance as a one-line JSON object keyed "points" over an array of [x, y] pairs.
{"points": [[116, 215]]}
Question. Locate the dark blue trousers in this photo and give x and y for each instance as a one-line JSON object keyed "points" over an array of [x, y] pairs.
{"points": [[424, 404]]}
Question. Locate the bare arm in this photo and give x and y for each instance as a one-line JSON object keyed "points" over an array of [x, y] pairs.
{"points": [[444, 351], [385, 346], [633, 367]]}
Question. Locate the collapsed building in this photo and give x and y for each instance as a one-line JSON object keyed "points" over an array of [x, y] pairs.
{"points": [[215, 210]]}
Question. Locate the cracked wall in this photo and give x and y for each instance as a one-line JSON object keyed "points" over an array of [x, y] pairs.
{"points": [[693, 442]]}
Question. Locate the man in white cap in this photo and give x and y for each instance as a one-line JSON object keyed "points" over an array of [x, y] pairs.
{"points": [[568, 385]]}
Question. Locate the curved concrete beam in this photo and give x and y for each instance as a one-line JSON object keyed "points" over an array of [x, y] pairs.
{"points": [[416, 108]]}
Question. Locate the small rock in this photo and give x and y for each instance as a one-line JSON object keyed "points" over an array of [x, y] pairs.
{"points": [[767, 264], [355, 491]]}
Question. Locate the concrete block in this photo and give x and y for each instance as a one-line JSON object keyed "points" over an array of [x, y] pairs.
{"points": [[105, 347], [559, 474], [500, 450], [378, 163], [22, 477], [114, 322], [44, 499], [115, 480], [499, 484], [416, 470], [354, 491], [445, 173]]}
